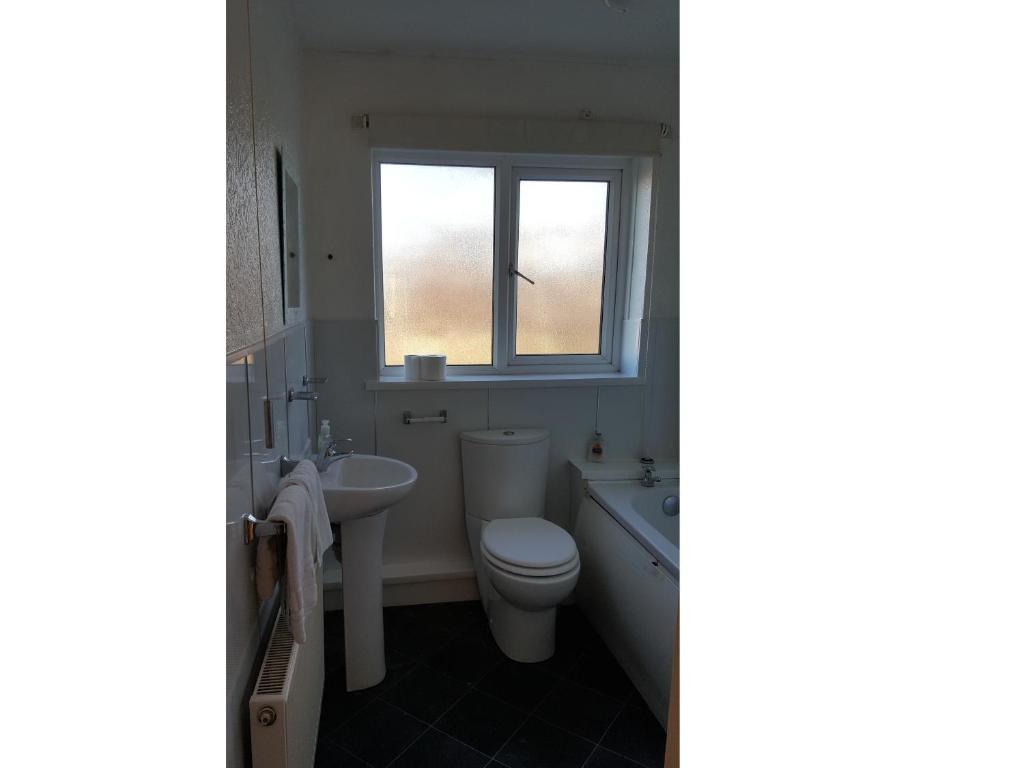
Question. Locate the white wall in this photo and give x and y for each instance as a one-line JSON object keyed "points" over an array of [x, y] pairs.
{"points": [[337, 161], [253, 472], [256, 370], [428, 527], [277, 109]]}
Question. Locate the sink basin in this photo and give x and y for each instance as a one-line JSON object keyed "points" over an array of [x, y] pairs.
{"points": [[358, 490], [363, 485]]}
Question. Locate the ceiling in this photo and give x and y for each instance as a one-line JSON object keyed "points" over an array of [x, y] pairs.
{"points": [[569, 29]]}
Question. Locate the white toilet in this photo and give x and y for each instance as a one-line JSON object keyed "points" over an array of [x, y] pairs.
{"points": [[525, 565]]}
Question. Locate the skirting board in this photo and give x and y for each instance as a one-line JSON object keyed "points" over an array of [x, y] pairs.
{"points": [[409, 583]]}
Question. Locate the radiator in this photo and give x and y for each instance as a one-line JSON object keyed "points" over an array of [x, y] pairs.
{"points": [[284, 710]]}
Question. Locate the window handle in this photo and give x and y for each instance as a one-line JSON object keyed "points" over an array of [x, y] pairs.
{"points": [[512, 272]]}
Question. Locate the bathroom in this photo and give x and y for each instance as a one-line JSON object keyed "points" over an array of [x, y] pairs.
{"points": [[340, 125], [446, 255]]}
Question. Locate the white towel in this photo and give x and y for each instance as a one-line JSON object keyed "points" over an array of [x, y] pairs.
{"points": [[293, 508], [267, 566], [305, 476]]}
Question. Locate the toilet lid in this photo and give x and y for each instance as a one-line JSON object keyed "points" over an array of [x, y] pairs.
{"points": [[528, 542], [534, 573]]}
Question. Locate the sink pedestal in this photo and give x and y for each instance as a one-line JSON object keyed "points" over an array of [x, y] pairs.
{"points": [[362, 552], [359, 490]]}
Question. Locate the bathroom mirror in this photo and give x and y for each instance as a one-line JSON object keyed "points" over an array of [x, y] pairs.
{"points": [[288, 220]]}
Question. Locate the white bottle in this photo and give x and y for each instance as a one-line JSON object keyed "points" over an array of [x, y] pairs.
{"points": [[595, 448], [325, 435]]}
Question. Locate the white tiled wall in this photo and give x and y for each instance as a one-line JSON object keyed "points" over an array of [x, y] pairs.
{"points": [[346, 353], [620, 413], [241, 614], [429, 524], [568, 414], [253, 472], [299, 412], [277, 387], [661, 406], [265, 472]]}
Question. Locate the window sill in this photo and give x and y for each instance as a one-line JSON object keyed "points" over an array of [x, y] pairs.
{"points": [[511, 381]]}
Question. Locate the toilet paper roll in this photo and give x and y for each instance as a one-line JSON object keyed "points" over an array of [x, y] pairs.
{"points": [[412, 367], [433, 367]]}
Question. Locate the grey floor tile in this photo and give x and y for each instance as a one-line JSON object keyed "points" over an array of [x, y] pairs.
{"points": [[602, 758], [330, 755], [425, 693], [521, 685], [578, 710], [539, 745], [437, 750], [481, 721], [379, 733], [637, 735]]}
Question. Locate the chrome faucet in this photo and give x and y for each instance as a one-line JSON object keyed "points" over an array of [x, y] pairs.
{"points": [[649, 478], [331, 454]]}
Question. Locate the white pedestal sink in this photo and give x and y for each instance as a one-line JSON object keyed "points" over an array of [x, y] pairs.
{"points": [[359, 489]]}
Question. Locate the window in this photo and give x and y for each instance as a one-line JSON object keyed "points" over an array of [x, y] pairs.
{"points": [[504, 263], [437, 249]]}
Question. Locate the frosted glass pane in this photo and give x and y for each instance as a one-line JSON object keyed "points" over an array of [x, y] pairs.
{"points": [[561, 248], [437, 248]]}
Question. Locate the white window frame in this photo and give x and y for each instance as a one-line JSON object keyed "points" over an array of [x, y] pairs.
{"points": [[509, 169]]}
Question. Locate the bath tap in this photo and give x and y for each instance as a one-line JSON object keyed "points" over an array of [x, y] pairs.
{"points": [[649, 478], [330, 454]]}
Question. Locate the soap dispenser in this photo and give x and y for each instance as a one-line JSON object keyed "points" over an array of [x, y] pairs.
{"points": [[325, 435]]}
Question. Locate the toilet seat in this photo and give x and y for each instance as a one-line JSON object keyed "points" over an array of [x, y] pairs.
{"points": [[529, 546], [537, 573]]}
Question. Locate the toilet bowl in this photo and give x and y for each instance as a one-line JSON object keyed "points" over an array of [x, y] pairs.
{"points": [[525, 565], [520, 564]]}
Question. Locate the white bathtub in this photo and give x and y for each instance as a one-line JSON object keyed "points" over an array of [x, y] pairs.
{"points": [[629, 579]]}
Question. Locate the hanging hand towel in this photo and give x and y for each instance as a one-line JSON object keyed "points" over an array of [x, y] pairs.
{"points": [[267, 566], [305, 476], [292, 507]]}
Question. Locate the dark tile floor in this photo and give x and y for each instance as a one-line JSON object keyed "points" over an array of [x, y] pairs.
{"points": [[451, 699]]}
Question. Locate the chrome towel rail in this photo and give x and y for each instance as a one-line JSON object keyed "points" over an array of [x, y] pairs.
{"points": [[408, 418], [253, 528]]}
